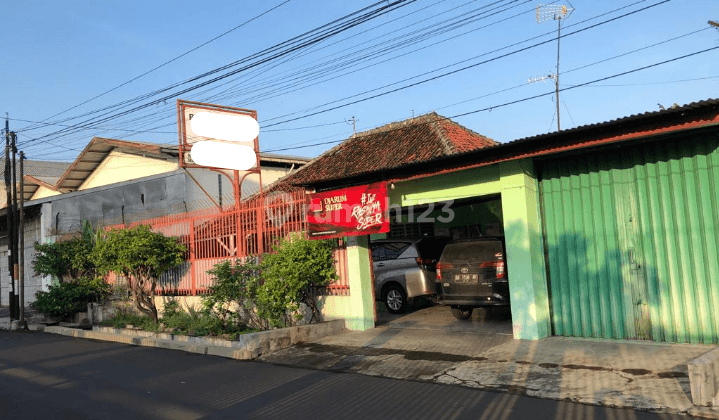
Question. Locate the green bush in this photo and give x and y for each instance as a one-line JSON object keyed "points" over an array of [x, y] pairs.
{"points": [[67, 260], [291, 278], [124, 317], [66, 299], [233, 294], [193, 322], [198, 323]]}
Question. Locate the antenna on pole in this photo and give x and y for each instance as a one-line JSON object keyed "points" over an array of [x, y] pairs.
{"points": [[556, 12], [353, 120]]}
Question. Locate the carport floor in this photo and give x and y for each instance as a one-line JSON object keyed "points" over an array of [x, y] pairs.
{"points": [[439, 318]]}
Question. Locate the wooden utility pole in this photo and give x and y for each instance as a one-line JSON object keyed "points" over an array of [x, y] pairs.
{"points": [[715, 24], [21, 245], [9, 217], [14, 267]]}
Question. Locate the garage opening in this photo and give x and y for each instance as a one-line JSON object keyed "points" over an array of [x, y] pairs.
{"points": [[443, 266]]}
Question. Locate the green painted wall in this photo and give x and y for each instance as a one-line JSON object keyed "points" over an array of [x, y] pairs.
{"points": [[452, 186], [633, 242], [516, 185], [361, 315]]}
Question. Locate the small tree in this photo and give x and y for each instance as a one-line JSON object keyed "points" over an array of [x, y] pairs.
{"points": [[67, 260], [292, 276], [141, 255]]}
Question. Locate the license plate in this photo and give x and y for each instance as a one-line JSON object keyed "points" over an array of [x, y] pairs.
{"points": [[465, 278]]}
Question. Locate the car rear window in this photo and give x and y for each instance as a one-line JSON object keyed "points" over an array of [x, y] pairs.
{"points": [[389, 250], [472, 252], [431, 248]]}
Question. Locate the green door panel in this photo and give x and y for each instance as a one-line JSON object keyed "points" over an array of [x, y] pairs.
{"points": [[632, 240]]}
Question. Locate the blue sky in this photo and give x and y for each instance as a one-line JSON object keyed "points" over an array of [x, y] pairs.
{"points": [[60, 54]]}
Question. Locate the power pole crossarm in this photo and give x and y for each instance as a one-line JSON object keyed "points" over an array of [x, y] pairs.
{"points": [[714, 24]]}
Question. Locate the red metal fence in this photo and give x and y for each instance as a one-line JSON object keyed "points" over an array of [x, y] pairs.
{"points": [[213, 236]]}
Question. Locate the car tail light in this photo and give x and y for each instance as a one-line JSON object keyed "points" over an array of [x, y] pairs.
{"points": [[441, 266], [500, 269], [498, 265]]}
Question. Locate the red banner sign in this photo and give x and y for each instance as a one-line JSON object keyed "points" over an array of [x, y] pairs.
{"points": [[350, 211]]}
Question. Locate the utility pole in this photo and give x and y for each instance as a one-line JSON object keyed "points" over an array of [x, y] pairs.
{"points": [[556, 12], [21, 254], [9, 217], [14, 266], [714, 24]]}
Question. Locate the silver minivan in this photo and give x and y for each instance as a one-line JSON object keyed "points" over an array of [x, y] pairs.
{"points": [[404, 269]]}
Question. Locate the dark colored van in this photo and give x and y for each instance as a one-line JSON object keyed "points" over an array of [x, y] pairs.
{"points": [[472, 273]]}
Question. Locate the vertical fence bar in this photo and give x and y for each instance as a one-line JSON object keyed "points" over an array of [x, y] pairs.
{"points": [[192, 250]]}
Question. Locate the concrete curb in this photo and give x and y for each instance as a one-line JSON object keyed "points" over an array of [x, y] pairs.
{"points": [[248, 347], [704, 379]]}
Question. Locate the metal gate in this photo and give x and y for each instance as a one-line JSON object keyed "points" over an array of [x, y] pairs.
{"points": [[632, 239]]}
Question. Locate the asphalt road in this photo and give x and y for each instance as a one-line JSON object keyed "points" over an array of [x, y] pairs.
{"points": [[52, 377]]}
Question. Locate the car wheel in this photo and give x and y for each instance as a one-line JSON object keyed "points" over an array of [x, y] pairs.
{"points": [[395, 300], [461, 313]]}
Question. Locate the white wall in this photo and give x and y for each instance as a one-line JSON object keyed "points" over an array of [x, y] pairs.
{"points": [[33, 283]]}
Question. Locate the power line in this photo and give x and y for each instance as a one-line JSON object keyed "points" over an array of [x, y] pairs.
{"points": [[525, 99], [325, 34], [284, 92], [387, 92], [300, 41], [462, 61], [169, 61], [440, 13], [302, 128], [462, 68], [593, 64], [99, 128], [503, 90], [666, 82], [284, 86], [139, 131]]}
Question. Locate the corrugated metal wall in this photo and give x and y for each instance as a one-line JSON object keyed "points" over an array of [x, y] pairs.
{"points": [[632, 241]]}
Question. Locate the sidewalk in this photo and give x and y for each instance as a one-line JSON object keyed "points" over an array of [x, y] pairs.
{"points": [[5, 317], [645, 375]]}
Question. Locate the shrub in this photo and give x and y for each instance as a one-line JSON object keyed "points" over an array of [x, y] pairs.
{"points": [[291, 278], [198, 323], [141, 255], [67, 260], [233, 294], [193, 322], [125, 316], [67, 299]]}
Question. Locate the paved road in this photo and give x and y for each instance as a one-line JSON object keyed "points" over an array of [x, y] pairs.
{"points": [[53, 377]]}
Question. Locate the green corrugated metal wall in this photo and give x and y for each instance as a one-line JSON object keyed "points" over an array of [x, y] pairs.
{"points": [[632, 241]]}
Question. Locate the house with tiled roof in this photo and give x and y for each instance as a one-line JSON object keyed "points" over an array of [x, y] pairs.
{"points": [[411, 141]]}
